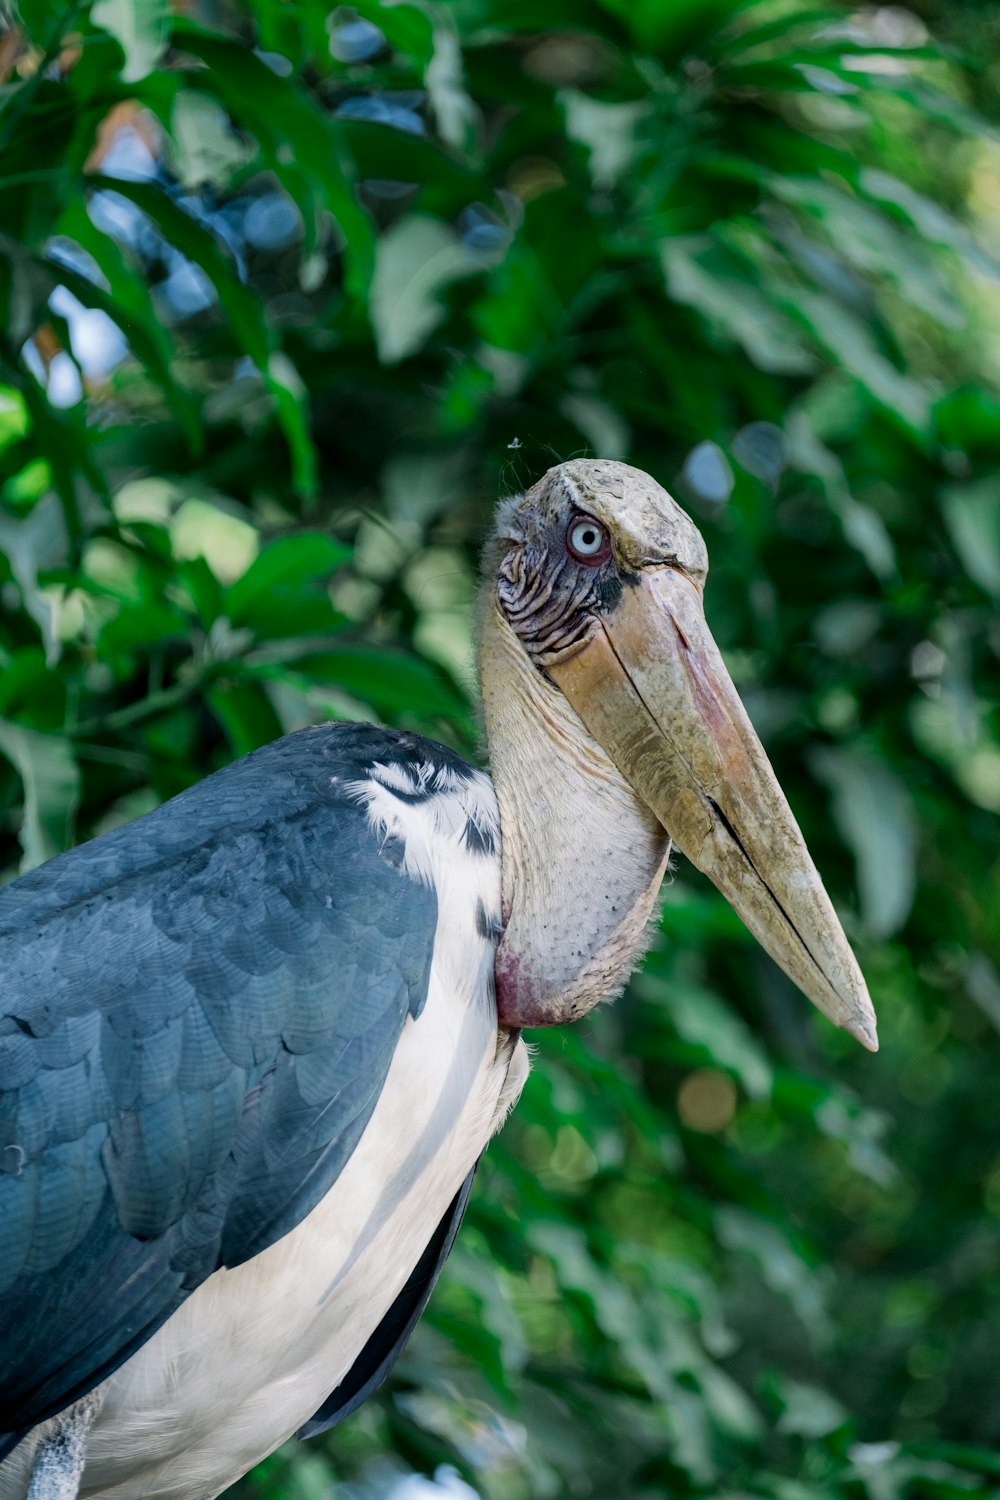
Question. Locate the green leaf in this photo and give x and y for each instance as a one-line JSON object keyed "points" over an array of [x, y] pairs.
{"points": [[867, 239], [731, 1408], [245, 316], [706, 1023], [983, 1460], [210, 530], [670, 30], [128, 303], [850, 341], [600, 422], [867, 533], [731, 303], [28, 692], [498, 1315], [931, 219], [931, 103], [13, 416], [780, 1265], [859, 1130], [243, 311], [405, 27], [614, 1310], [874, 813], [202, 588], [972, 515], [136, 627], [51, 780], [243, 710], [393, 683], [280, 575], [296, 138], [292, 396], [863, 527]]}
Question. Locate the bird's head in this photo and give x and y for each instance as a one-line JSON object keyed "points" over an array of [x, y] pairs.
{"points": [[598, 576]]}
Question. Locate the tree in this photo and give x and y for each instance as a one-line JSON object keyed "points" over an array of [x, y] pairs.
{"points": [[288, 296]]}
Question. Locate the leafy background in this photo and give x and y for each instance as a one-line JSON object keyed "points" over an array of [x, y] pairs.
{"points": [[289, 295]]}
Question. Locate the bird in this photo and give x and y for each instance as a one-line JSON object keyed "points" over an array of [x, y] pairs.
{"points": [[253, 1044]]}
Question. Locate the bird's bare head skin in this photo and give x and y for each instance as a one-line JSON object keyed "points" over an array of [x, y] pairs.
{"points": [[593, 601]]}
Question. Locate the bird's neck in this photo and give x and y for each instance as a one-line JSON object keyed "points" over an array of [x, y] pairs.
{"points": [[582, 857]]}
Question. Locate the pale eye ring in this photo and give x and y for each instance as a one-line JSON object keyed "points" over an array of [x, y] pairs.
{"points": [[588, 541]]}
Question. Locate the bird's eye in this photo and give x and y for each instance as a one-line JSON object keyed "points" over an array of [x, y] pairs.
{"points": [[588, 541]]}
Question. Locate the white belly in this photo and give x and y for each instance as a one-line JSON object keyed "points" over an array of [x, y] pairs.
{"points": [[255, 1351]]}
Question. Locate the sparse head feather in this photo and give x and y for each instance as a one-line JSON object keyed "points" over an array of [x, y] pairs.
{"points": [[647, 526]]}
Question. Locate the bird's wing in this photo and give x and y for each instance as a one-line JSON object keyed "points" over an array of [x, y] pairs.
{"points": [[387, 1342], [197, 1014]]}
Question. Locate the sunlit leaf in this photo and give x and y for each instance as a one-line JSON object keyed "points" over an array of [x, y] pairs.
{"points": [[807, 1410], [33, 543], [735, 307], [608, 131], [415, 260], [51, 780], [454, 111], [140, 26], [289, 390], [207, 147], [601, 424]]}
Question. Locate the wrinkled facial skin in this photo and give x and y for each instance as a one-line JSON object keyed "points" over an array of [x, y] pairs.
{"points": [[551, 598]]}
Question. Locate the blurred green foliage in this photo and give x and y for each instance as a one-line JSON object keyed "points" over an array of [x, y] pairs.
{"points": [[288, 295]]}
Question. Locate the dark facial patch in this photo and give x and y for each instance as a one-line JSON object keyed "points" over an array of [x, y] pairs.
{"points": [[610, 587]]}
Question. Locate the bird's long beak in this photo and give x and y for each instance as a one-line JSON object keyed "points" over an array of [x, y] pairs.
{"points": [[652, 689]]}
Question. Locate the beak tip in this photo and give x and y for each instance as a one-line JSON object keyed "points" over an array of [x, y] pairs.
{"points": [[862, 1028]]}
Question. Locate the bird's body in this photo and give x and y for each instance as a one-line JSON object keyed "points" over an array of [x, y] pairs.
{"points": [[253, 1045], [253, 1351]]}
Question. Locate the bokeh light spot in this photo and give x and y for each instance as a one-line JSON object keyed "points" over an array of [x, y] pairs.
{"points": [[707, 1101]]}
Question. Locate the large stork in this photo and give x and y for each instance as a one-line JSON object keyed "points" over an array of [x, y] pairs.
{"points": [[253, 1045]]}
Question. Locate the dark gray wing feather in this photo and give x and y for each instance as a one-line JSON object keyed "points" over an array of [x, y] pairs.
{"points": [[197, 1014]]}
